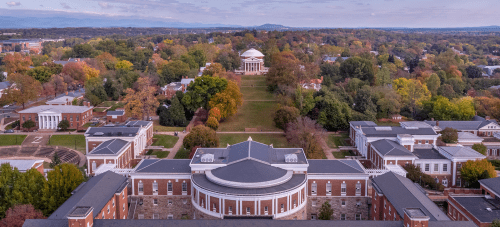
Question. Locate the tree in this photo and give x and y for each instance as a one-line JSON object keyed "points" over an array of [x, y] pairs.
{"points": [[202, 90], [83, 50], [41, 73], [474, 72], [356, 67], [212, 123], [63, 125], [334, 115], [26, 89], [473, 171], [465, 108], [390, 104], [124, 64], [415, 174], [412, 92], [285, 115], [178, 68], [75, 71], [363, 101], [449, 135], [495, 223], [198, 56], [141, 101], [307, 134], [228, 100], [229, 59], [304, 99], [174, 115], [213, 69], [29, 124], [15, 216], [90, 72], [285, 70], [383, 77], [326, 211], [201, 136], [17, 63], [55, 160], [479, 147], [94, 91], [444, 109], [60, 183], [433, 83]]}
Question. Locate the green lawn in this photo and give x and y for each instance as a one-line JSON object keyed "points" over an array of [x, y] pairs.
{"points": [[256, 93], [166, 141], [278, 140], [68, 141], [159, 154], [182, 154], [334, 140], [341, 154], [8, 140], [161, 128], [98, 110], [107, 104], [252, 115], [117, 105], [387, 123]]}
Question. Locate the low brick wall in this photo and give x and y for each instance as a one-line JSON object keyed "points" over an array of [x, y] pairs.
{"points": [[462, 191]]}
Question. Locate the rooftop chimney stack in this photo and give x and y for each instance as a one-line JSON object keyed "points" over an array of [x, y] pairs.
{"points": [[487, 118]]}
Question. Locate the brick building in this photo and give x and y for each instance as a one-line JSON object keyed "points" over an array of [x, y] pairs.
{"points": [[138, 133], [49, 116], [117, 116], [170, 89], [480, 209], [34, 45], [24, 165]]}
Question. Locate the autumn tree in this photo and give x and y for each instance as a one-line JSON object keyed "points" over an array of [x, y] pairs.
{"points": [[212, 122], [15, 216], [107, 60], [141, 101], [201, 136], [228, 100], [479, 147], [473, 171], [90, 72], [285, 70], [495, 223], [202, 90], [17, 63], [124, 64], [26, 89], [75, 71], [306, 134], [285, 115], [58, 84], [326, 211], [449, 135], [213, 69], [412, 92]]}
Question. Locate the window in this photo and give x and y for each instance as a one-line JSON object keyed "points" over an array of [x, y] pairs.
{"points": [[342, 217], [156, 216], [102, 215], [248, 210], [169, 187], [427, 167], [343, 189], [459, 182], [141, 216], [266, 210], [170, 202], [123, 195], [328, 188], [445, 167], [94, 166], [113, 215], [282, 207], [24, 119], [184, 201], [113, 203], [375, 208], [389, 209], [155, 201], [230, 209], [314, 188], [71, 118], [445, 182], [313, 203], [436, 167], [358, 217], [77, 118], [65, 118], [214, 208], [141, 187], [459, 166], [108, 209], [427, 142], [294, 203], [124, 207], [394, 216], [184, 188], [343, 202], [358, 188], [155, 188], [385, 204]]}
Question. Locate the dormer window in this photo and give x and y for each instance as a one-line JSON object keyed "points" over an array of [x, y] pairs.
{"points": [[207, 158], [291, 158]]}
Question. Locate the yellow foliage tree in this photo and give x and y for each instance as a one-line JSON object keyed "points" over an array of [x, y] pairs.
{"points": [[228, 100], [472, 171], [412, 92], [124, 64], [90, 72], [142, 101], [212, 123]]}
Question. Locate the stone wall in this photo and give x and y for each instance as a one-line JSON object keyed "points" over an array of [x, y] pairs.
{"points": [[350, 208], [176, 205], [299, 215]]}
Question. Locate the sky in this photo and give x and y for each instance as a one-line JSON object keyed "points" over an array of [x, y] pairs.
{"points": [[294, 13]]}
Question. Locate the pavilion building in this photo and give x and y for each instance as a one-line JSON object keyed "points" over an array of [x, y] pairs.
{"points": [[252, 63]]}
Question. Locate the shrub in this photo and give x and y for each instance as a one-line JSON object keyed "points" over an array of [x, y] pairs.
{"points": [[449, 135], [417, 176]]}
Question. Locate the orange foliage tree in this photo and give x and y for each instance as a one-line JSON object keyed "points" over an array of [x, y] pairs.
{"points": [[141, 101], [17, 63]]}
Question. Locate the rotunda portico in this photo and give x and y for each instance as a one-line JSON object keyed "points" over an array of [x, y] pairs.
{"points": [[252, 63]]}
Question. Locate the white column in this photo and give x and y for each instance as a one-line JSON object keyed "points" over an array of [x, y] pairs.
{"points": [[255, 207], [40, 122], [454, 173], [272, 208]]}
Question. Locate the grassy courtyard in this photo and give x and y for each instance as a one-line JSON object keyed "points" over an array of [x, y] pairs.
{"points": [[160, 128], [159, 154], [342, 154], [278, 140], [256, 93], [68, 141], [182, 154], [166, 141], [334, 140], [9, 140]]}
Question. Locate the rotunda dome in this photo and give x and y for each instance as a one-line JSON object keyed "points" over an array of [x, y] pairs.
{"points": [[252, 53]]}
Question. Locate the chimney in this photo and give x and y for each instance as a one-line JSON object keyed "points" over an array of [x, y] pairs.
{"points": [[487, 118], [183, 87], [321, 79], [437, 123], [66, 92], [88, 104], [415, 217], [81, 216], [432, 119]]}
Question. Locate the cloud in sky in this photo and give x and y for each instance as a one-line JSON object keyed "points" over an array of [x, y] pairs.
{"points": [[10, 4], [298, 13]]}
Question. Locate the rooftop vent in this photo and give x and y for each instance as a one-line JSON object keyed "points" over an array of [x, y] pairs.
{"points": [[383, 128], [489, 209], [98, 134], [250, 138], [207, 158], [290, 158]]}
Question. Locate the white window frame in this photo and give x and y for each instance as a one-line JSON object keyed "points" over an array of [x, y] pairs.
{"points": [[170, 188], [343, 189], [184, 188], [155, 202], [357, 217], [248, 210], [140, 188], [445, 167], [155, 188], [328, 188], [358, 188], [342, 217], [436, 167], [314, 188], [427, 167]]}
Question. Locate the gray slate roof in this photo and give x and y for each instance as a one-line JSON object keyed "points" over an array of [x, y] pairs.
{"points": [[461, 152], [21, 165], [391, 148], [202, 181], [334, 166], [164, 166], [492, 183], [386, 131], [468, 136], [402, 193], [118, 131], [4, 85], [428, 154], [116, 112], [56, 109], [249, 149], [461, 125], [96, 192], [249, 171], [110, 147], [476, 205], [363, 123], [138, 123]]}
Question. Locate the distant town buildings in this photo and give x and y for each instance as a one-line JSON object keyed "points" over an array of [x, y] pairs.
{"points": [[27, 45]]}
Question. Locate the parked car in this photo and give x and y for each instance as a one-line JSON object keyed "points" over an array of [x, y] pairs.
{"points": [[9, 131], [150, 119]]}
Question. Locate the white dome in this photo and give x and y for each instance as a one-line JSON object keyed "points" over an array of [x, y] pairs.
{"points": [[252, 53]]}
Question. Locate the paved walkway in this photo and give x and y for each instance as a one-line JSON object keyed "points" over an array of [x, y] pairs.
{"points": [[36, 139], [177, 146], [328, 151]]}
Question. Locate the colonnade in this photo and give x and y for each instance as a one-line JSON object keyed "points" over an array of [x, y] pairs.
{"points": [[252, 67], [49, 121]]}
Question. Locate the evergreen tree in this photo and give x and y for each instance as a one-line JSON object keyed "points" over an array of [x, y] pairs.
{"points": [[174, 115], [55, 161], [325, 212]]}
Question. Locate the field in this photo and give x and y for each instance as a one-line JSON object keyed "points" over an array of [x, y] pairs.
{"points": [[334, 140], [159, 128], [182, 154], [166, 141], [342, 154], [159, 154], [8, 140], [256, 93], [68, 141], [278, 140], [98, 110]]}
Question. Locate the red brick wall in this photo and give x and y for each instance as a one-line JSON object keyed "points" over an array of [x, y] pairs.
{"points": [[122, 201], [336, 187], [98, 162], [229, 203], [251, 205], [408, 221], [162, 186], [487, 192], [214, 201], [283, 201], [454, 213], [117, 119], [93, 144], [269, 204], [112, 210]]}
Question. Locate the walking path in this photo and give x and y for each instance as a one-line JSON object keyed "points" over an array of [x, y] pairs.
{"points": [[328, 151], [173, 151]]}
